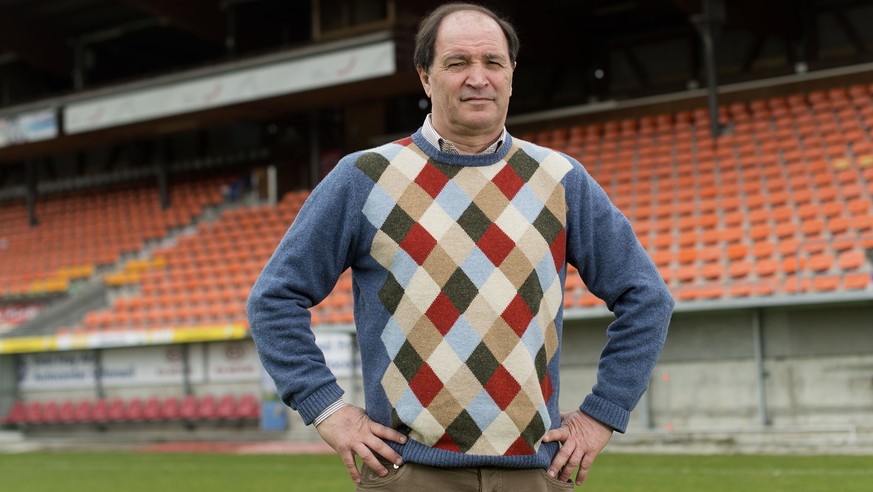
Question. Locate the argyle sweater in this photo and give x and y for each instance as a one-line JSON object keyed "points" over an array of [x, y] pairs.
{"points": [[458, 265]]}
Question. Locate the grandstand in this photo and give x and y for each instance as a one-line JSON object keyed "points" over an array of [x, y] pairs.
{"points": [[132, 230]]}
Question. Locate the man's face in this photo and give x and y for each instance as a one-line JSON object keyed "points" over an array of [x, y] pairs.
{"points": [[470, 80]]}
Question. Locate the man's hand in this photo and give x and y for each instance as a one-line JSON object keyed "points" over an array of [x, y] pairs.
{"points": [[582, 438], [349, 431]]}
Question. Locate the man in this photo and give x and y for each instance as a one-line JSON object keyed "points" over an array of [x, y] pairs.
{"points": [[458, 239]]}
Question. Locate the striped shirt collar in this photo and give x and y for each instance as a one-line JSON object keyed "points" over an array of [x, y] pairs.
{"points": [[430, 134]]}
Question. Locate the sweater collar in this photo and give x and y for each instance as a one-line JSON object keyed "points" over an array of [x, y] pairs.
{"points": [[435, 139], [436, 154]]}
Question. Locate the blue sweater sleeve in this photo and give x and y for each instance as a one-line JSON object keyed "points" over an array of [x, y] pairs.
{"points": [[614, 266], [302, 271]]}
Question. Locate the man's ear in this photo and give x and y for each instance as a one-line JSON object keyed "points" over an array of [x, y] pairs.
{"points": [[424, 76]]}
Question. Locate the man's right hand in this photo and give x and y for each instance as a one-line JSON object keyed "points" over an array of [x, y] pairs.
{"points": [[349, 432]]}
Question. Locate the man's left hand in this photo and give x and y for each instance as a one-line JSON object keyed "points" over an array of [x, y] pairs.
{"points": [[582, 438]]}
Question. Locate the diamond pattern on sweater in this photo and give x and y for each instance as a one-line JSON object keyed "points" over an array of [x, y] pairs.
{"points": [[473, 256]]}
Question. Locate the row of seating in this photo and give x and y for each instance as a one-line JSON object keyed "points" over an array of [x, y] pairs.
{"points": [[190, 409], [781, 205], [845, 102], [90, 230]]}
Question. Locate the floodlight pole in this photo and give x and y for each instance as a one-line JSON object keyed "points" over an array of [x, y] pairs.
{"points": [[709, 24]]}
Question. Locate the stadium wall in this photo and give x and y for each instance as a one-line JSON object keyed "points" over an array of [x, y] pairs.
{"points": [[805, 369], [815, 370]]}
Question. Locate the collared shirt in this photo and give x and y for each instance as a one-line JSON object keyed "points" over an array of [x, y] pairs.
{"points": [[430, 134]]}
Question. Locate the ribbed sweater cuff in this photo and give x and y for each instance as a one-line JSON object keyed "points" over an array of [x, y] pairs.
{"points": [[606, 412], [320, 399]]}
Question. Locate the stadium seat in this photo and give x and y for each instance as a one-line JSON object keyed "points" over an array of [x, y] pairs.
{"points": [[226, 408], [117, 410], [151, 411], [826, 283], [83, 412], [188, 408], [248, 408], [100, 411], [67, 412], [17, 414], [171, 409], [135, 411], [34, 414], [851, 260], [857, 281], [51, 413], [207, 408]]}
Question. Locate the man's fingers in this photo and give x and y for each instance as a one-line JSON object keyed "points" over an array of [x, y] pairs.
{"points": [[561, 459], [370, 460], [386, 432], [378, 446], [572, 464], [349, 460], [584, 467], [560, 434]]}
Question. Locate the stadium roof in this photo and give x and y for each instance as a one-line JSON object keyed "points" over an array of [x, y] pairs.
{"points": [[573, 52]]}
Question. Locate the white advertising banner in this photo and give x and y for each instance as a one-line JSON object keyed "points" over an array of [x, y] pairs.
{"points": [[234, 87], [339, 353], [233, 361], [138, 366], [230, 361], [32, 126], [56, 370], [142, 366]]}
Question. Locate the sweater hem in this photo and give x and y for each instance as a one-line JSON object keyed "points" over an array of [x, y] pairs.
{"points": [[416, 452]]}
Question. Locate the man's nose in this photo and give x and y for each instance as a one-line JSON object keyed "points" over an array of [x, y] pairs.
{"points": [[476, 77]]}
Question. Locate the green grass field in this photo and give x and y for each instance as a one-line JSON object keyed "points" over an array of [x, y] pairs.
{"points": [[132, 472]]}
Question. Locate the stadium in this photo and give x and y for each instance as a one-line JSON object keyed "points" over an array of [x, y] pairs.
{"points": [[153, 153]]}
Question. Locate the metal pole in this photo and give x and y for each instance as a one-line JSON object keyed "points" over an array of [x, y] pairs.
{"points": [[186, 369], [708, 25], [98, 374], [30, 171], [758, 346]]}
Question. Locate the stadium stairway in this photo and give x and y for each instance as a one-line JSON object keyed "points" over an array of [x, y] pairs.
{"points": [[67, 262], [205, 277], [78, 235]]}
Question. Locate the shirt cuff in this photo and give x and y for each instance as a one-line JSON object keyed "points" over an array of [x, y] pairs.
{"points": [[327, 412]]}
